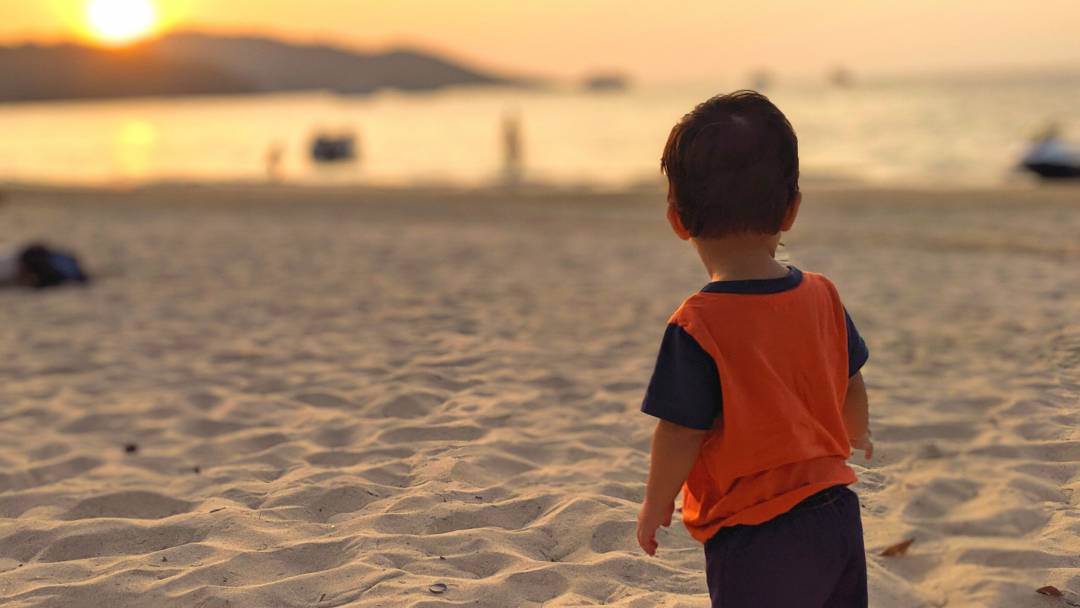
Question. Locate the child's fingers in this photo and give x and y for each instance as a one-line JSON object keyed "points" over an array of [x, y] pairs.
{"points": [[647, 540], [869, 452], [648, 545], [651, 545]]}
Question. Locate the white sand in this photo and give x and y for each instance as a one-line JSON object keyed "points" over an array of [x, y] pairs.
{"points": [[427, 388]]}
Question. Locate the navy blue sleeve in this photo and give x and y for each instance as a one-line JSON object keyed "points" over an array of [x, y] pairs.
{"points": [[685, 386], [856, 349]]}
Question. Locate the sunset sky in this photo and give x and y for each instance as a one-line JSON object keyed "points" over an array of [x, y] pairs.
{"points": [[651, 40]]}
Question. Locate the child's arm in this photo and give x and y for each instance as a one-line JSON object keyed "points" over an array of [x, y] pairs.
{"points": [[857, 415], [674, 450]]}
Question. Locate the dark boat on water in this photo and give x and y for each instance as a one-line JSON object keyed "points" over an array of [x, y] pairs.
{"points": [[1052, 171], [330, 149], [1052, 158], [607, 82]]}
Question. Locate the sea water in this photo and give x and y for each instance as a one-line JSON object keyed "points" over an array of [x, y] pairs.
{"points": [[928, 131]]}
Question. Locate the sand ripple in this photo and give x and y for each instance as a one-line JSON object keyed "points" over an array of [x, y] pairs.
{"points": [[338, 405]]}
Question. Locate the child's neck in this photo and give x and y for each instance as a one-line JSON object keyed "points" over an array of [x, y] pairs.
{"points": [[741, 257]]}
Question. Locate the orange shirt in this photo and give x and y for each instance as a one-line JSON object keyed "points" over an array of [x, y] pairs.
{"points": [[782, 360]]}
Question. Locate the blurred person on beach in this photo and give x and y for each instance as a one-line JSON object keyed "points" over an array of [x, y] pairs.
{"points": [[757, 385]]}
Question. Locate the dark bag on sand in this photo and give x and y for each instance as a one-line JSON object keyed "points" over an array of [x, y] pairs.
{"points": [[42, 268]]}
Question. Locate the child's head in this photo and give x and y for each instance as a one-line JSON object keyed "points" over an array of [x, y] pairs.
{"points": [[732, 167]]}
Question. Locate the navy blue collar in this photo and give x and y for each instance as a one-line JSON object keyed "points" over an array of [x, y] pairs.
{"points": [[757, 286]]}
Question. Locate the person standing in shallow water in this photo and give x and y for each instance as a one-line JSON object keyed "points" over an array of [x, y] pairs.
{"points": [[757, 385]]}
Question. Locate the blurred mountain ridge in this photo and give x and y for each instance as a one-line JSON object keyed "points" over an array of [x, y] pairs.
{"points": [[203, 64]]}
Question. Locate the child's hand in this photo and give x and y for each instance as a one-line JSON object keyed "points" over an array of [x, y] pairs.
{"points": [[863, 443], [649, 520]]}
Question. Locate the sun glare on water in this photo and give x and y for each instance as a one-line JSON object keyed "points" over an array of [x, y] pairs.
{"points": [[121, 21]]}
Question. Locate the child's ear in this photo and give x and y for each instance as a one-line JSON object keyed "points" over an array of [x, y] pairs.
{"points": [[676, 223], [791, 213]]}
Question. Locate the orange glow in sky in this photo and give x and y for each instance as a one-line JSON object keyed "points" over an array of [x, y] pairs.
{"points": [[684, 41], [121, 21]]}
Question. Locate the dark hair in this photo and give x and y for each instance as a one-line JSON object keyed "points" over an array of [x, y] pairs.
{"points": [[732, 166]]}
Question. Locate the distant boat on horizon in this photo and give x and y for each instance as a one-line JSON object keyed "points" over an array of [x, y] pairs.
{"points": [[335, 147], [761, 80], [607, 82], [840, 77]]}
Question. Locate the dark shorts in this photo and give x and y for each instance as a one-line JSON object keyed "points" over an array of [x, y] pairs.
{"points": [[810, 557]]}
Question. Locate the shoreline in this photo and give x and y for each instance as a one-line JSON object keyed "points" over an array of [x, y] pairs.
{"points": [[819, 192]]}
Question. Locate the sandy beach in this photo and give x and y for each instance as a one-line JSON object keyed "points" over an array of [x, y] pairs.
{"points": [[314, 397]]}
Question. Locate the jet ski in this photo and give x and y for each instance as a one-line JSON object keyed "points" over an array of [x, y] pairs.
{"points": [[1052, 158]]}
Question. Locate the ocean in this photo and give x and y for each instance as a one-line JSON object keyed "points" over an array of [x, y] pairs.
{"points": [[938, 132]]}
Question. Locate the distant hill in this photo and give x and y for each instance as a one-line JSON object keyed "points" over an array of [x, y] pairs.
{"points": [[200, 64]]}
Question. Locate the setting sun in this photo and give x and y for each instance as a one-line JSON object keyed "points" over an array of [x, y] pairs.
{"points": [[121, 21]]}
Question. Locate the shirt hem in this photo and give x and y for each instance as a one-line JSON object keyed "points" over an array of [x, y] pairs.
{"points": [[763, 512]]}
